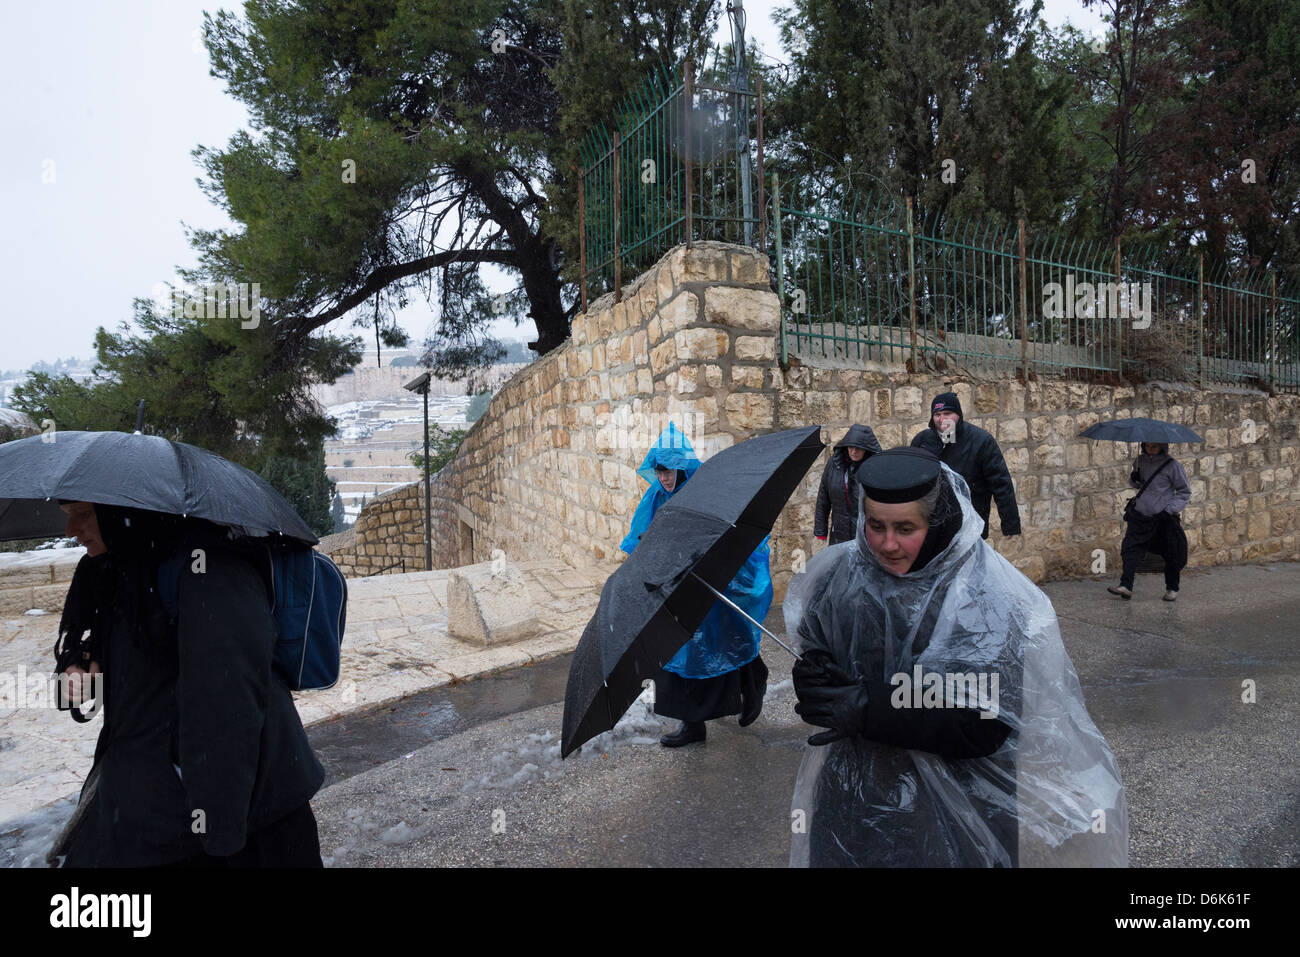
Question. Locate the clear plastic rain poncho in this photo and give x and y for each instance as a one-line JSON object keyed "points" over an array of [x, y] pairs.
{"points": [[1050, 795], [725, 640]]}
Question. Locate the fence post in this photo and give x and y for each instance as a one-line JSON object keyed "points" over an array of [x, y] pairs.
{"points": [[1118, 332], [780, 267], [1024, 305], [582, 236], [1272, 339], [1200, 320], [911, 281], [762, 197], [618, 248], [687, 87]]}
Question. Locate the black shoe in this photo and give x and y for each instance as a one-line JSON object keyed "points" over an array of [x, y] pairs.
{"points": [[688, 733], [752, 710]]}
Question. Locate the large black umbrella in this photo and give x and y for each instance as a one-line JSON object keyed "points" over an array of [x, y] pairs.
{"points": [[699, 539], [1140, 430], [135, 471]]}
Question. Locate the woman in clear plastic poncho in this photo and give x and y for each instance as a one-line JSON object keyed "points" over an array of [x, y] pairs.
{"points": [[719, 671], [959, 735]]}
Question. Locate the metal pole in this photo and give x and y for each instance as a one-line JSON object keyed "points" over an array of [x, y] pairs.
{"points": [[686, 145], [780, 267], [618, 175], [1119, 335], [742, 613], [1200, 320], [1024, 306], [911, 281], [762, 196], [1272, 340], [428, 494], [582, 235]]}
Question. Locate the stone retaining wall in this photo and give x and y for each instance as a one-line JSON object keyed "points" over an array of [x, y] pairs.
{"points": [[549, 469]]}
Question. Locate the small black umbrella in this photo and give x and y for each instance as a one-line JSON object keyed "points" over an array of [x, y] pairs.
{"points": [[699, 539], [1140, 430], [135, 471]]}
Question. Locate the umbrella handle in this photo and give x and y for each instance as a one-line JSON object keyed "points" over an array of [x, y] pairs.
{"points": [[745, 615]]}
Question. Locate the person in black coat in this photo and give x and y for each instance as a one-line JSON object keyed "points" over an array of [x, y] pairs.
{"points": [[973, 454], [837, 497], [202, 760]]}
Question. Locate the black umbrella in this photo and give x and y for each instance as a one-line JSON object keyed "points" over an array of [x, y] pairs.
{"points": [[135, 471], [698, 541], [1140, 430]]}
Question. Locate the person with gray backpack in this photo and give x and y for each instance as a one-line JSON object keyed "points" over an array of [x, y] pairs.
{"points": [[1152, 518]]}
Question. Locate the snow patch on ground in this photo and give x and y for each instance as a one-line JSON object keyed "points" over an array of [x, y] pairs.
{"points": [[24, 841], [366, 828], [537, 758]]}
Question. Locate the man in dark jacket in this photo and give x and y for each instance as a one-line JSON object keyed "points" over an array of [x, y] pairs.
{"points": [[974, 455], [837, 498], [202, 760]]}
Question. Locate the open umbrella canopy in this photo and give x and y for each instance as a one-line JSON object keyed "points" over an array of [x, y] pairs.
{"points": [[134, 471], [1140, 430], [652, 605]]}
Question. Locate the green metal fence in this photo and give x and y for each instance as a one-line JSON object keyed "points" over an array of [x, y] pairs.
{"points": [[682, 161], [870, 279], [874, 281]]}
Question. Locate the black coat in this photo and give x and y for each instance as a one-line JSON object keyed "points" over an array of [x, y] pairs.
{"points": [[195, 720], [837, 495], [976, 457]]}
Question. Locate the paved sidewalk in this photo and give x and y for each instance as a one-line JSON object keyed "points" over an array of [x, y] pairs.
{"points": [[395, 644]]}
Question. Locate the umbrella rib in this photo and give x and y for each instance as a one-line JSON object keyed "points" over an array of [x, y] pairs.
{"points": [[750, 619]]}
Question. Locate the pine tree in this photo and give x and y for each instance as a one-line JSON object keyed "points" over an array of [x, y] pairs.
{"points": [[338, 515]]}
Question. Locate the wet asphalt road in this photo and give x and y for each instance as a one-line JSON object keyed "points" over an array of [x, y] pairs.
{"points": [[466, 774]]}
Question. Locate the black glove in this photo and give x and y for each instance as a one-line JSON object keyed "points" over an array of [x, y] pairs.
{"points": [[1135, 477], [829, 697]]}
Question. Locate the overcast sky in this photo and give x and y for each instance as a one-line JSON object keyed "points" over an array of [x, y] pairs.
{"points": [[103, 104]]}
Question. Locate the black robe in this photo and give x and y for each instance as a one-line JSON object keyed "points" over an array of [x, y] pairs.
{"points": [[201, 746]]}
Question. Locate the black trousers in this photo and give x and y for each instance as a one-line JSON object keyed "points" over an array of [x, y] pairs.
{"points": [[1162, 534], [703, 699], [292, 841]]}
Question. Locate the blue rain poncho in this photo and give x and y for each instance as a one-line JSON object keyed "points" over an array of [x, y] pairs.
{"points": [[724, 641], [1050, 795]]}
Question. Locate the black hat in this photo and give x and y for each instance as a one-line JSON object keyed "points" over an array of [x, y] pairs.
{"points": [[903, 474], [946, 402]]}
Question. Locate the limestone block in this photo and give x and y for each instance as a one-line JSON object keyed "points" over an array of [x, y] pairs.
{"points": [[743, 308], [909, 403], [488, 604], [827, 407], [701, 343], [755, 348], [662, 356], [683, 311], [749, 377], [703, 262], [15, 601], [750, 267], [1013, 430], [749, 410], [860, 406]]}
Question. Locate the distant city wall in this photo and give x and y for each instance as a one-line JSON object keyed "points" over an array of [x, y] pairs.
{"points": [[549, 469]]}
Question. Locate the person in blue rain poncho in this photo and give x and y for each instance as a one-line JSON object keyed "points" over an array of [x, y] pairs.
{"points": [[719, 671]]}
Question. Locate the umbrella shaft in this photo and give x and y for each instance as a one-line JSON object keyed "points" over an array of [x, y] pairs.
{"points": [[742, 612]]}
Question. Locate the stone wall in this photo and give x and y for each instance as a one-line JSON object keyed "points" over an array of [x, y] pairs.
{"points": [[549, 469]]}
